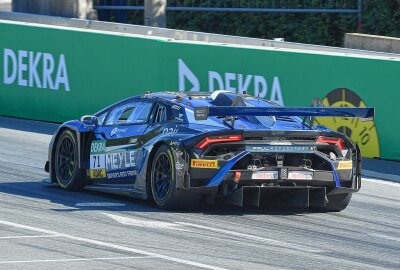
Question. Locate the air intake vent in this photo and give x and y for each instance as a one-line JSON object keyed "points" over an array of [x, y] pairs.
{"points": [[285, 119]]}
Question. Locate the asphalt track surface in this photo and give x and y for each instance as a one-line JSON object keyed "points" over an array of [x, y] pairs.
{"points": [[45, 227]]}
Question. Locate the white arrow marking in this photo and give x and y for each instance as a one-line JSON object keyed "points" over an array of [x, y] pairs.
{"points": [[178, 226], [155, 224]]}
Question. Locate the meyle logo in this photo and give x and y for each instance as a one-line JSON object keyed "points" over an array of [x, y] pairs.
{"points": [[35, 69], [234, 82]]}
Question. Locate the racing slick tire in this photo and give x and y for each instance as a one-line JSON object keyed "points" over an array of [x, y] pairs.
{"points": [[336, 203], [163, 183], [68, 175]]}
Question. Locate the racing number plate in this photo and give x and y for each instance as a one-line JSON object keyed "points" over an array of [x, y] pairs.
{"points": [[264, 175]]}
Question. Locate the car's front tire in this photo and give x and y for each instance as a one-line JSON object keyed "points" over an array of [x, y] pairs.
{"points": [[163, 183], [66, 162]]}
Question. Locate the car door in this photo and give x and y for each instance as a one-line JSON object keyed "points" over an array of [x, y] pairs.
{"points": [[113, 156]]}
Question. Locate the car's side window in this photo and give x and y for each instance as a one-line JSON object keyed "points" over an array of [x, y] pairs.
{"points": [[165, 113], [177, 114], [133, 112], [160, 114]]}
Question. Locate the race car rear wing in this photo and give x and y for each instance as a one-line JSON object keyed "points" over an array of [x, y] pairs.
{"points": [[202, 113]]}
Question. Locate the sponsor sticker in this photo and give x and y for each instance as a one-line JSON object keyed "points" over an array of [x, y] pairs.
{"points": [[98, 147], [133, 140], [169, 131], [345, 165], [265, 175], [111, 162], [97, 173], [299, 175], [286, 148], [120, 160], [123, 174], [204, 164], [117, 131], [97, 159]]}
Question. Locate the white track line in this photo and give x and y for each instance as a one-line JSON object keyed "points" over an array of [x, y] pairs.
{"points": [[385, 237], [110, 245], [98, 204], [270, 241], [384, 176], [383, 182], [28, 236], [75, 260], [22, 164]]}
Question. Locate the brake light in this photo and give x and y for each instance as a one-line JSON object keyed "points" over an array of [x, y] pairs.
{"points": [[338, 141], [218, 139]]}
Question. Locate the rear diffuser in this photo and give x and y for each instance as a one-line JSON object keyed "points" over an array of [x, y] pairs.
{"points": [[278, 196]]}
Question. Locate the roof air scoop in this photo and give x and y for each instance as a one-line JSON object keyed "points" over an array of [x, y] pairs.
{"points": [[215, 94], [222, 98]]}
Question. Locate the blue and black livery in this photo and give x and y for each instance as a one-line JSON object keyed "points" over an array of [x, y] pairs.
{"points": [[181, 149]]}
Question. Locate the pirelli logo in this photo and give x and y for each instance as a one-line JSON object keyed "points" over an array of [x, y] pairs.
{"points": [[345, 165], [204, 164]]}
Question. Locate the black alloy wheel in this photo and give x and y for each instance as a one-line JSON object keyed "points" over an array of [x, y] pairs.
{"points": [[162, 176], [66, 159], [66, 162], [163, 185]]}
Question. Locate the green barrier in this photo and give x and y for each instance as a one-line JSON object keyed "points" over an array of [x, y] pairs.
{"points": [[57, 74]]}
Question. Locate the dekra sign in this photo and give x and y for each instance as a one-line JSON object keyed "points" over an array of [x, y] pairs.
{"points": [[35, 69]]}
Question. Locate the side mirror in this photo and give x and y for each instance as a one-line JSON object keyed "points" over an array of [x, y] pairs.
{"points": [[90, 121]]}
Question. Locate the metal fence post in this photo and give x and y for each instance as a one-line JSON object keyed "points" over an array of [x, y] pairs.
{"points": [[359, 6], [155, 13]]}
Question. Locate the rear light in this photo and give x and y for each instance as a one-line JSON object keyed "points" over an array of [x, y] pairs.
{"points": [[337, 141], [236, 179], [218, 139]]}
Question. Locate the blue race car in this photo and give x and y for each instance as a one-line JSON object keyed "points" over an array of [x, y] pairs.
{"points": [[181, 149]]}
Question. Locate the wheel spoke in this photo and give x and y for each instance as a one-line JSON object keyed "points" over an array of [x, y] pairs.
{"points": [[66, 159], [161, 173]]}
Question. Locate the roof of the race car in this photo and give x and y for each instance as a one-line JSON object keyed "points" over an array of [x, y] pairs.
{"points": [[198, 99], [195, 99]]}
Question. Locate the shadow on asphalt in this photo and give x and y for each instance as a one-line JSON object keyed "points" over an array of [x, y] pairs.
{"points": [[73, 200], [28, 125]]}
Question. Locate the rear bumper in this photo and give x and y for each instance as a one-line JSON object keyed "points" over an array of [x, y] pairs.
{"points": [[331, 177]]}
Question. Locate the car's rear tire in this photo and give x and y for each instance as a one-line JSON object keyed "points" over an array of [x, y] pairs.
{"points": [[163, 183], [68, 175], [336, 203]]}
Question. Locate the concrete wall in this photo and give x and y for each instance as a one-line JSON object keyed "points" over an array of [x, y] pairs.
{"points": [[372, 43], [5, 5], [82, 9]]}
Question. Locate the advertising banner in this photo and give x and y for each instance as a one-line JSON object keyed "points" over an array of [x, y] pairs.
{"points": [[57, 74]]}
